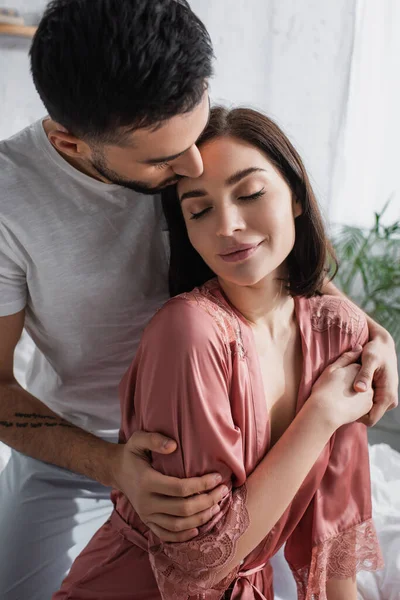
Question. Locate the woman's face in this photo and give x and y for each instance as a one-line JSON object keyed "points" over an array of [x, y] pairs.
{"points": [[240, 213]]}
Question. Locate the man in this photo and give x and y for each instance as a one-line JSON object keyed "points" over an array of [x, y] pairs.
{"points": [[83, 266]]}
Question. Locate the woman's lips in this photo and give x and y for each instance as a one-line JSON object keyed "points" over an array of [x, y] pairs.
{"points": [[242, 253]]}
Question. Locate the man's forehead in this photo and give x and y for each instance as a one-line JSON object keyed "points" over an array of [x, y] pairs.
{"points": [[172, 138]]}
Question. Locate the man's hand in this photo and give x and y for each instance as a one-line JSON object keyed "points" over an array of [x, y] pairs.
{"points": [[172, 508], [379, 370]]}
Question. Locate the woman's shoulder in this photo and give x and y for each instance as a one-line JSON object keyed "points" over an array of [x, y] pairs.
{"points": [[199, 316], [337, 313]]}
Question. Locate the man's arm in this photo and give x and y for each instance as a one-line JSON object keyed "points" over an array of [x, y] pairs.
{"points": [[29, 426], [378, 367]]}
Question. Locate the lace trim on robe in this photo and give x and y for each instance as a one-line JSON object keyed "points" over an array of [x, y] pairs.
{"points": [[328, 311], [189, 569], [225, 318], [340, 557]]}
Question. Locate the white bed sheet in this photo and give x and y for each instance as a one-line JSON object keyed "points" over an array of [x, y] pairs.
{"points": [[381, 585]]}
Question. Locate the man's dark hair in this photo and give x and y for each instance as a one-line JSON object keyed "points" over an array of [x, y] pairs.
{"points": [[312, 258], [99, 65]]}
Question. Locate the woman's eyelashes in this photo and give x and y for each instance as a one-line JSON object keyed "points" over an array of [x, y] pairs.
{"points": [[250, 198], [198, 215]]}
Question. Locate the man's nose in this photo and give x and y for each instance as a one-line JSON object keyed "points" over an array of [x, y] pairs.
{"points": [[189, 164]]}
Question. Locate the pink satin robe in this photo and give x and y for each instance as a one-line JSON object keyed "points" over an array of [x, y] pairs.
{"points": [[196, 378]]}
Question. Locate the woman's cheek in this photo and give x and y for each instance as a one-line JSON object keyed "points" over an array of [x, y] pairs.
{"points": [[277, 221], [201, 244], [195, 238]]}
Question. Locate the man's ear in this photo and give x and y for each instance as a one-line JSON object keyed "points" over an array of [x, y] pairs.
{"points": [[68, 144]]}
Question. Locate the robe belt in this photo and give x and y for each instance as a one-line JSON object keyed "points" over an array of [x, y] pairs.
{"points": [[137, 538], [244, 589]]}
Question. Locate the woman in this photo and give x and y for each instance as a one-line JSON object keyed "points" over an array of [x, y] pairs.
{"points": [[251, 373]]}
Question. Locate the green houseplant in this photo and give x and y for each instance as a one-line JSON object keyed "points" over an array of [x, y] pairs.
{"points": [[369, 271]]}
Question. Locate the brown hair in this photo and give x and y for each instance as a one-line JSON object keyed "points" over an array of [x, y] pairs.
{"points": [[312, 256]]}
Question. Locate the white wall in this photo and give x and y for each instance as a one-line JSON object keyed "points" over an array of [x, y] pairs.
{"points": [[291, 59], [19, 103]]}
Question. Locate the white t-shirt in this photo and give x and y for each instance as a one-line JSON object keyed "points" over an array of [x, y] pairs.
{"points": [[88, 262]]}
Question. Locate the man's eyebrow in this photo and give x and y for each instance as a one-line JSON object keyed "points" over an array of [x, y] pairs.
{"points": [[235, 178], [161, 159]]}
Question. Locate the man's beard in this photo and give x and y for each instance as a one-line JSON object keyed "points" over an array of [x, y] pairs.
{"points": [[99, 164]]}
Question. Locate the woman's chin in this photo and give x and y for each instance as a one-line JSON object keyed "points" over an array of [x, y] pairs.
{"points": [[243, 280]]}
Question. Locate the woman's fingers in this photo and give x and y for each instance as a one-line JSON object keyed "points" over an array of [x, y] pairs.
{"points": [[347, 358]]}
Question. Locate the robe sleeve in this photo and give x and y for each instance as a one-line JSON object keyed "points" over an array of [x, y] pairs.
{"points": [[180, 386], [337, 534]]}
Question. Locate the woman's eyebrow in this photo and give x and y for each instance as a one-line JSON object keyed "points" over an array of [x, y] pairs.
{"points": [[232, 180], [239, 175], [193, 194]]}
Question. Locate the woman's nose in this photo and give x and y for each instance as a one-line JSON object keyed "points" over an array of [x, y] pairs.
{"points": [[229, 221], [190, 164]]}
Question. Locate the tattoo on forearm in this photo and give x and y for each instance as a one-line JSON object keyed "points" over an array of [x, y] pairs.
{"points": [[34, 416], [35, 421]]}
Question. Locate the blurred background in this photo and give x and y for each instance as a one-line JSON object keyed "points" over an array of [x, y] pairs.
{"points": [[328, 71]]}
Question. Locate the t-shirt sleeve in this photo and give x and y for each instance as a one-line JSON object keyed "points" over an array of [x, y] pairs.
{"points": [[13, 286], [180, 384]]}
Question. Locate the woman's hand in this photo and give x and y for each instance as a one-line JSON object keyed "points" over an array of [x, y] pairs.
{"points": [[172, 508], [378, 366], [333, 393], [379, 371]]}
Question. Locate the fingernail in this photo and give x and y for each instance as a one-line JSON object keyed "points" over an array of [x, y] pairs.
{"points": [[168, 444], [218, 478], [215, 509], [361, 385], [224, 491], [358, 348]]}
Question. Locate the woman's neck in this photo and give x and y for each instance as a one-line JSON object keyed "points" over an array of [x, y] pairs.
{"points": [[266, 304]]}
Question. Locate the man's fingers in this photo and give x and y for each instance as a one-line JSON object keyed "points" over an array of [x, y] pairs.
{"points": [[364, 420], [347, 358], [375, 414], [182, 524], [182, 488], [363, 379], [154, 442], [187, 507], [168, 536]]}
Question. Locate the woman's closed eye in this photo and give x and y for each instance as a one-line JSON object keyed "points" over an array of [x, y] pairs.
{"points": [[250, 198], [197, 215]]}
